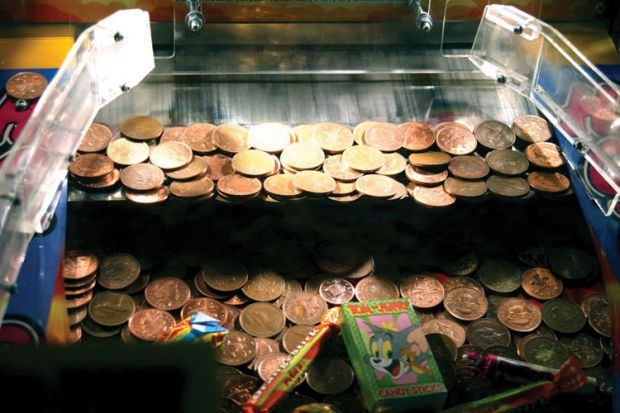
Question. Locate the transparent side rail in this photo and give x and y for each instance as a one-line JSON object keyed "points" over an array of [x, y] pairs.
{"points": [[534, 59], [107, 59]]}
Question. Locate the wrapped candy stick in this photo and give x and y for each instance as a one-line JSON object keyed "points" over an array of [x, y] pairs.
{"points": [[197, 327], [568, 378], [294, 367], [490, 365]]}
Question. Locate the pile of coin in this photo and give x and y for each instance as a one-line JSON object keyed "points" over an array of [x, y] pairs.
{"points": [[376, 160], [492, 278], [79, 272]]}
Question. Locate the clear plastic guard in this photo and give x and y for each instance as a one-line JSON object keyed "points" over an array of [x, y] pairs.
{"points": [[106, 60], [537, 61]]}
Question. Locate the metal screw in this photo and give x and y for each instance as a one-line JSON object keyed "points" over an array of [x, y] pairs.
{"points": [[118, 37], [125, 88], [501, 79], [518, 30], [70, 158], [21, 105], [578, 146]]}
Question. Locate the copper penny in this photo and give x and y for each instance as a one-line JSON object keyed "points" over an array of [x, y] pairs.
{"points": [[302, 156], [552, 182], [304, 307], [314, 182], [238, 186], [79, 300], [171, 155], [118, 271], [544, 154], [376, 186], [70, 291], [264, 285], [141, 128], [508, 186], [540, 283], [385, 137], [466, 303], [77, 315], [237, 349], [95, 330], [192, 189], [225, 274], [262, 320], [196, 168], [173, 134], [518, 314], [429, 159], [103, 183], [198, 137], [450, 124], [422, 176], [374, 287], [456, 141], [394, 164], [78, 264], [333, 167], [465, 188], [346, 198], [418, 136], [153, 196], [422, 291], [125, 152], [96, 139], [142, 177], [26, 85], [360, 130], [253, 163], [493, 134], [507, 162], [344, 188], [204, 289], [592, 300], [230, 138], [294, 336], [167, 293], [270, 137], [109, 308], [363, 158], [138, 285], [468, 167], [208, 306], [302, 133], [331, 137], [446, 327], [91, 166], [462, 281], [79, 282], [238, 389], [281, 186], [433, 197], [219, 166], [486, 333], [150, 324], [531, 128]]}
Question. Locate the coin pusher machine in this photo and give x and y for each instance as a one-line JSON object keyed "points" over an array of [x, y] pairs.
{"points": [[192, 69]]}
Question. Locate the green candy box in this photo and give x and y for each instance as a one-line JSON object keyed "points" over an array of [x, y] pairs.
{"points": [[393, 362]]}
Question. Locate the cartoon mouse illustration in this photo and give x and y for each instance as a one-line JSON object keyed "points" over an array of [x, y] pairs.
{"points": [[386, 345]]}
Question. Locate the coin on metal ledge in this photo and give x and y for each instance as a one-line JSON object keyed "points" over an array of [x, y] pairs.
{"points": [[377, 186], [394, 164], [281, 186], [550, 182], [142, 177], [385, 136], [465, 188], [237, 348], [109, 308], [363, 158], [507, 162], [429, 159], [422, 291], [418, 136], [518, 314], [544, 155], [465, 303], [433, 197], [270, 137], [422, 176], [563, 316], [486, 333], [198, 137], [545, 351], [167, 293], [337, 290], [225, 274], [254, 163], [456, 141], [302, 156], [192, 189], [91, 166], [238, 186], [150, 324], [540, 283], [374, 288], [264, 285], [304, 307], [333, 167], [230, 138], [97, 138], [468, 167], [531, 128], [331, 137], [500, 276], [118, 271], [171, 155], [446, 327], [314, 182], [508, 187], [141, 128], [294, 336], [360, 130], [78, 264], [125, 152], [196, 168], [154, 196], [26, 85], [493, 134], [262, 320]]}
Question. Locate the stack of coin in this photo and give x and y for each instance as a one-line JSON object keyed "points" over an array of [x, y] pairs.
{"points": [[326, 160], [79, 272]]}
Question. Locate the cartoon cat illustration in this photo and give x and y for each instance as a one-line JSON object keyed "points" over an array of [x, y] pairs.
{"points": [[386, 345]]}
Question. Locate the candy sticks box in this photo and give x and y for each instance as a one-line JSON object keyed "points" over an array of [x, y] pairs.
{"points": [[393, 362]]}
